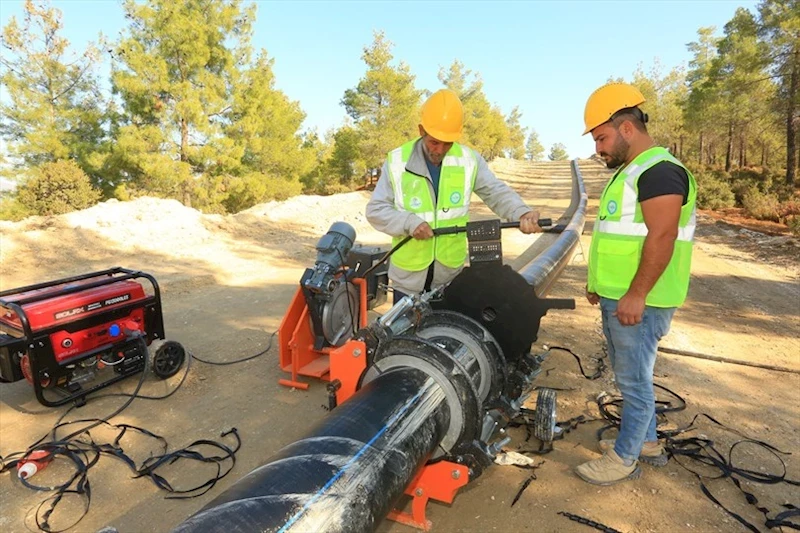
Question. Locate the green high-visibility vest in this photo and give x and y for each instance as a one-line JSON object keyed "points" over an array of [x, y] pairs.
{"points": [[620, 231], [412, 194]]}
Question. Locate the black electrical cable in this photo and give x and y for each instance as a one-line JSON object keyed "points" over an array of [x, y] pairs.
{"points": [[698, 449], [236, 361], [587, 522], [601, 364], [353, 323], [703, 451], [85, 454]]}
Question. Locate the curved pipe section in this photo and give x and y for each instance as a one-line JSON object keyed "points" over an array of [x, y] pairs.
{"points": [[544, 270]]}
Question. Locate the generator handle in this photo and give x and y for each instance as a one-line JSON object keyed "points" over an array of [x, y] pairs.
{"points": [[104, 277]]}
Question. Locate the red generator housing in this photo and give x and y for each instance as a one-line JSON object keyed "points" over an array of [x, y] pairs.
{"points": [[76, 335]]}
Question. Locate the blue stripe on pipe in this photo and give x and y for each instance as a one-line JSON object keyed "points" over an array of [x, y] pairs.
{"points": [[349, 463]]}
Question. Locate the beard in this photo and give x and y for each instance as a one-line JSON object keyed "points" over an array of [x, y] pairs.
{"points": [[433, 158], [618, 154]]}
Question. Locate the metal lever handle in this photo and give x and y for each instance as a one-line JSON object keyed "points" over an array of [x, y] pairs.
{"points": [[546, 223]]}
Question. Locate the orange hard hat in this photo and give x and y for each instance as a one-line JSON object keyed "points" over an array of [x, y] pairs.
{"points": [[443, 116], [607, 100]]}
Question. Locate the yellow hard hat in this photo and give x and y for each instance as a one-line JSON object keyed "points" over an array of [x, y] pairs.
{"points": [[607, 100], [443, 116]]}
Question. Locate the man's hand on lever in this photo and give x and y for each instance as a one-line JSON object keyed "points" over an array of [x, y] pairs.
{"points": [[423, 231], [529, 222]]}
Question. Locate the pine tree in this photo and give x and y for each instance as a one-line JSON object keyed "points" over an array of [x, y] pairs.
{"points": [[54, 109], [534, 150], [384, 105], [558, 152], [485, 128], [779, 26], [516, 135]]}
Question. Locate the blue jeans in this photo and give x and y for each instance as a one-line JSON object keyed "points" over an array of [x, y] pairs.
{"points": [[632, 352]]}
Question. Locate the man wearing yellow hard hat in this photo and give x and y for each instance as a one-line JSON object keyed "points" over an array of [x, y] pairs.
{"points": [[639, 265], [426, 184]]}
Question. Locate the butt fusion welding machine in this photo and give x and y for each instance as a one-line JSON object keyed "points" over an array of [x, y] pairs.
{"points": [[483, 323], [76, 335]]}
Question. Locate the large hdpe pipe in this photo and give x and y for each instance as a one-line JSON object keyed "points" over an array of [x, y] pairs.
{"points": [[347, 473]]}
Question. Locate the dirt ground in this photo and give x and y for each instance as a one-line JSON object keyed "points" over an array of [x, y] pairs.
{"points": [[227, 280]]}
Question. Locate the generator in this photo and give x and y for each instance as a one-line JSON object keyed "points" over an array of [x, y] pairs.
{"points": [[73, 336]]}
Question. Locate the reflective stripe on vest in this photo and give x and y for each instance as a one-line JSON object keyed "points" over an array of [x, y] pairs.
{"points": [[620, 231], [412, 193]]}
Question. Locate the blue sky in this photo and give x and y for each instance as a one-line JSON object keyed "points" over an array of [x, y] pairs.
{"points": [[545, 57]]}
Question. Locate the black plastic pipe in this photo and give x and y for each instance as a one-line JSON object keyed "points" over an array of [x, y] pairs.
{"points": [[347, 473]]}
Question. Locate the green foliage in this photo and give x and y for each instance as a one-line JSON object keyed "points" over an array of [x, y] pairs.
{"points": [[57, 187], [794, 224], [558, 152], [246, 191], [11, 209], [263, 137], [53, 108], [485, 128], [202, 120], [319, 149], [760, 205], [779, 28], [516, 135], [713, 190], [384, 106], [740, 94], [174, 70], [534, 150], [665, 97]]}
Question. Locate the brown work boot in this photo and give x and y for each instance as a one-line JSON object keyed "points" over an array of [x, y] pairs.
{"points": [[652, 453], [608, 470]]}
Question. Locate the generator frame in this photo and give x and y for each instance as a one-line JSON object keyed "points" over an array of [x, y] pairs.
{"points": [[37, 345]]}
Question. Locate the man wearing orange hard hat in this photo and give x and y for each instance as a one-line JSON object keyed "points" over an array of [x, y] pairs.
{"points": [[426, 184], [639, 264]]}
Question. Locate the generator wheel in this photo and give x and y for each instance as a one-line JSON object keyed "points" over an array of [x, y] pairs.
{"points": [[168, 359], [544, 426]]}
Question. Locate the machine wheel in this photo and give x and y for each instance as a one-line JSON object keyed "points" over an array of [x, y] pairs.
{"points": [[544, 424], [168, 359]]}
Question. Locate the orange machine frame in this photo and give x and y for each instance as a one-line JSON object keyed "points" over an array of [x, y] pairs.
{"points": [[296, 351], [438, 481]]}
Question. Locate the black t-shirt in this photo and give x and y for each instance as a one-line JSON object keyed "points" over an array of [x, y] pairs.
{"points": [[663, 178]]}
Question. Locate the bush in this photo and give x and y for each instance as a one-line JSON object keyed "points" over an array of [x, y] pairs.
{"points": [[743, 179], [763, 206], [246, 191], [789, 210], [56, 188], [11, 209], [713, 190], [794, 224]]}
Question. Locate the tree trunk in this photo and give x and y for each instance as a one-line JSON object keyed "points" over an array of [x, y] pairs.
{"points": [[700, 154], [187, 197], [742, 154], [791, 139], [729, 151], [680, 147]]}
